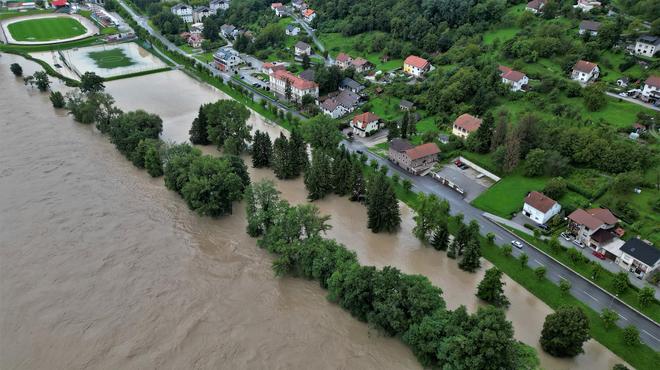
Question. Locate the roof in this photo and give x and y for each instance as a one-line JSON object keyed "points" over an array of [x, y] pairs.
{"points": [[406, 104], [422, 151], [400, 145], [58, 2], [510, 74], [308, 74], [275, 5], [581, 217], [343, 57], [363, 119], [648, 39], [296, 81], [416, 61], [641, 251], [359, 61], [273, 66], [351, 84], [179, 6], [584, 66], [302, 45], [653, 81], [468, 122], [604, 215], [308, 12], [346, 99], [536, 4], [291, 27], [602, 236], [227, 28], [539, 201], [590, 25]]}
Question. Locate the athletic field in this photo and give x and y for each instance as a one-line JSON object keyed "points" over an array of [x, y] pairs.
{"points": [[111, 58], [46, 29]]}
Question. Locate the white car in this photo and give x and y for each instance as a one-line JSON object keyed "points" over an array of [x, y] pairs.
{"points": [[517, 244]]}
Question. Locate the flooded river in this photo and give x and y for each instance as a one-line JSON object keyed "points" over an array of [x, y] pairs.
{"points": [[102, 267]]}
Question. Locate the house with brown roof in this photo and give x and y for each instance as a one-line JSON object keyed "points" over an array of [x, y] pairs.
{"points": [[299, 87], [535, 6], [340, 103], [270, 67], [414, 159], [651, 90], [540, 208], [584, 71], [361, 65], [465, 124], [309, 15], [517, 80], [343, 60], [416, 66], [365, 124], [583, 224]]}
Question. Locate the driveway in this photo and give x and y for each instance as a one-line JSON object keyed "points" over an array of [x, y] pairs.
{"points": [[465, 179]]}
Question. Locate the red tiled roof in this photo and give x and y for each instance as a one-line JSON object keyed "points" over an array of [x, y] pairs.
{"points": [[584, 66], [536, 4], [539, 201], [359, 62], [422, 151], [581, 217], [296, 81], [468, 122], [275, 5], [510, 74], [308, 12], [343, 57], [58, 2], [363, 119], [604, 215], [504, 69], [653, 81], [416, 61]]}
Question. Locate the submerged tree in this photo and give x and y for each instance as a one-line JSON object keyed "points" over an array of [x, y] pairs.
{"points": [[491, 290], [382, 205]]}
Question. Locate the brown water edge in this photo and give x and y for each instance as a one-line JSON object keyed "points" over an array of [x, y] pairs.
{"points": [[401, 250]]}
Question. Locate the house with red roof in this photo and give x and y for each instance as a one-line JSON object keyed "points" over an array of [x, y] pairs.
{"points": [[651, 90], [414, 159], [584, 71], [540, 208], [535, 6], [365, 124], [586, 225], [361, 65], [270, 67], [343, 60], [465, 124], [516, 80], [416, 66], [309, 15], [280, 79]]}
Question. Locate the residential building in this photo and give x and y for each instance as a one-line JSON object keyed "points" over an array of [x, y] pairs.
{"points": [[414, 159], [269, 67], [406, 105], [343, 60], [184, 11], [639, 257], [196, 28], [226, 58], [292, 30], [587, 5], [351, 85], [298, 4], [361, 65], [283, 11], [535, 6], [416, 66], [339, 103], [309, 15], [539, 208], [299, 87], [302, 48], [623, 82], [647, 45], [195, 40], [651, 89], [216, 5], [589, 27], [309, 74], [584, 71], [583, 224], [365, 124], [517, 80], [200, 13], [465, 124], [275, 6], [228, 31]]}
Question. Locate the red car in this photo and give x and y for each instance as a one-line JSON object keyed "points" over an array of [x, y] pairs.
{"points": [[598, 255]]}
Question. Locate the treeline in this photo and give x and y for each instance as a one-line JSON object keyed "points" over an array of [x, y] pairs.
{"points": [[397, 304]]}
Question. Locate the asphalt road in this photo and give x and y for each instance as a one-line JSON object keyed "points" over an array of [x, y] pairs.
{"points": [[582, 289]]}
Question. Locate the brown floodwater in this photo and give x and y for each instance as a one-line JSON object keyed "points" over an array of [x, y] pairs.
{"points": [[102, 267]]}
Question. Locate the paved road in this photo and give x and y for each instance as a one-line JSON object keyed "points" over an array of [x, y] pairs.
{"points": [[583, 290], [310, 31], [634, 101]]}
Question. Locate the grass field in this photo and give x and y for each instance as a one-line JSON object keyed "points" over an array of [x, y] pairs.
{"points": [[46, 29], [506, 197], [112, 58], [357, 46]]}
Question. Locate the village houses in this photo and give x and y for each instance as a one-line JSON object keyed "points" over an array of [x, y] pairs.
{"points": [[535, 6], [351, 85], [639, 257], [516, 80], [464, 125], [270, 67], [584, 71], [583, 224], [589, 27], [228, 31], [361, 65], [183, 11], [647, 45], [406, 105], [414, 159], [308, 15], [302, 48], [226, 58], [365, 124], [540, 208], [339, 103], [587, 5], [651, 89], [343, 60], [292, 30], [299, 87], [216, 5], [416, 66], [200, 13]]}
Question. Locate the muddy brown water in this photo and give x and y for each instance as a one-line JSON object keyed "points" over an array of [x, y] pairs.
{"points": [[102, 267]]}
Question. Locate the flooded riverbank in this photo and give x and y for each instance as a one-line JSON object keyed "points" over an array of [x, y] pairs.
{"points": [[105, 268]]}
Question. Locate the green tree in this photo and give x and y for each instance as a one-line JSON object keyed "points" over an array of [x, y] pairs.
{"points": [[280, 161], [318, 177], [342, 175], [631, 335], [430, 213], [382, 205], [564, 286], [554, 245], [262, 150], [535, 163], [41, 80], [565, 331], [609, 317], [198, 131], [555, 188], [594, 97], [152, 160], [481, 140], [227, 125], [470, 261], [297, 152], [620, 282], [646, 296], [130, 128], [57, 99], [491, 290], [507, 250], [440, 239], [540, 272], [407, 185], [16, 69], [596, 271], [178, 159], [263, 207], [90, 82], [287, 90], [512, 152], [239, 168], [358, 189], [106, 111], [212, 186], [523, 258], [306, 63], [322, 132]]}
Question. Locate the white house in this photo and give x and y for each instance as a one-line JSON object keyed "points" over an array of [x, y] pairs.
{"points": [[216, 5], [226, 58], [200, 13], [292, 30], [339, 104], [299, 87], [364, 124], [309, 15], [229, 31], [540, 208], [651, 90], [589, 27], [535, 6], [184, 11], [587, 5], [465, 124], [584, 71], [639, 257], [647, 45], [302, 48], [298, 4], [517, 80]]}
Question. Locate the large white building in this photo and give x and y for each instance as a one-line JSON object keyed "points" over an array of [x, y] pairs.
{"points": [[651, 90], [540, 208], [647, 45], [216, 5], [226, 58], [184, 11], [299, 87], [639, 257], [584, 71]]}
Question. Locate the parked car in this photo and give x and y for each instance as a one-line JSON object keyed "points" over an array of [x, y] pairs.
{"points": [[579, 244], [458, 163], [517, 244], [598, 255], [566, 236], [255, 84], [543, 227]]}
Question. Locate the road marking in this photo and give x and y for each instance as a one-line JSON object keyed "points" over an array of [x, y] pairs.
{"points": [[592, 297], [650, 335], [539, 263], [623, 317]]}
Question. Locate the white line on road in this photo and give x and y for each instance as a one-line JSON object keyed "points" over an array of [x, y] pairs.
{"points": [[537, 261], [650, 335], [623, 317], [592, 297]]}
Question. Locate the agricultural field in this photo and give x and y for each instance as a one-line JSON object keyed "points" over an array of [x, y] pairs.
{"points": [[46, 29]]}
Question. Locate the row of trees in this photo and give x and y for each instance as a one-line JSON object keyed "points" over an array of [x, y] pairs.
{"points": [[224, 124]]}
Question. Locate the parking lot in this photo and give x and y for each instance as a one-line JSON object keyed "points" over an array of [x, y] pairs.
{"points": [[472, 182]]}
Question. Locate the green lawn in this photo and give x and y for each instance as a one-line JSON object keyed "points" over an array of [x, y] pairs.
{"points": [[111, 58], [502, 35], [506, 197], [46, 29]]}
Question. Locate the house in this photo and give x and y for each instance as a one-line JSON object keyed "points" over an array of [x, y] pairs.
{"points": [[184, 11], [216, 5], [587, 5], [584, 71], [639, 257], [623, 82], [299, 87], [406, 105], [583, 224], [308, 75], [351, 85], [361, 65], [275, 6], [195, 40], [226, 58], [465, 124], [647, 45], [340, 103], [517, 80], [200, 13], [196, 28], [651, 90], [416, 66], [309, 15], [228, 31], [540, 208], [414, 159], [269, 67], [298, 4], [343, 60], [535, 6], [589, 27], [292, 30], [302, 48], [639, 128], [365, 124]]}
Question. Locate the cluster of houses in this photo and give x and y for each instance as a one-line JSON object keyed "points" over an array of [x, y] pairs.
{"points": [[300, 6], [359, 64], [597, 229], [536, 6], [194, 15]]}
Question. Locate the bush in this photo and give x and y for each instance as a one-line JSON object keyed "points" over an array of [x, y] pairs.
{"points": [[57, 99]]}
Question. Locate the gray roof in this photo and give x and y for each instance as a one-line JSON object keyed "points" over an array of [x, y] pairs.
{"points": [[648, 39], [406, 104], [590, 25], [346, 99], [227, 28], [308, 74], [351, 84], [641, 251], [302, 45], [400, 145]]}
